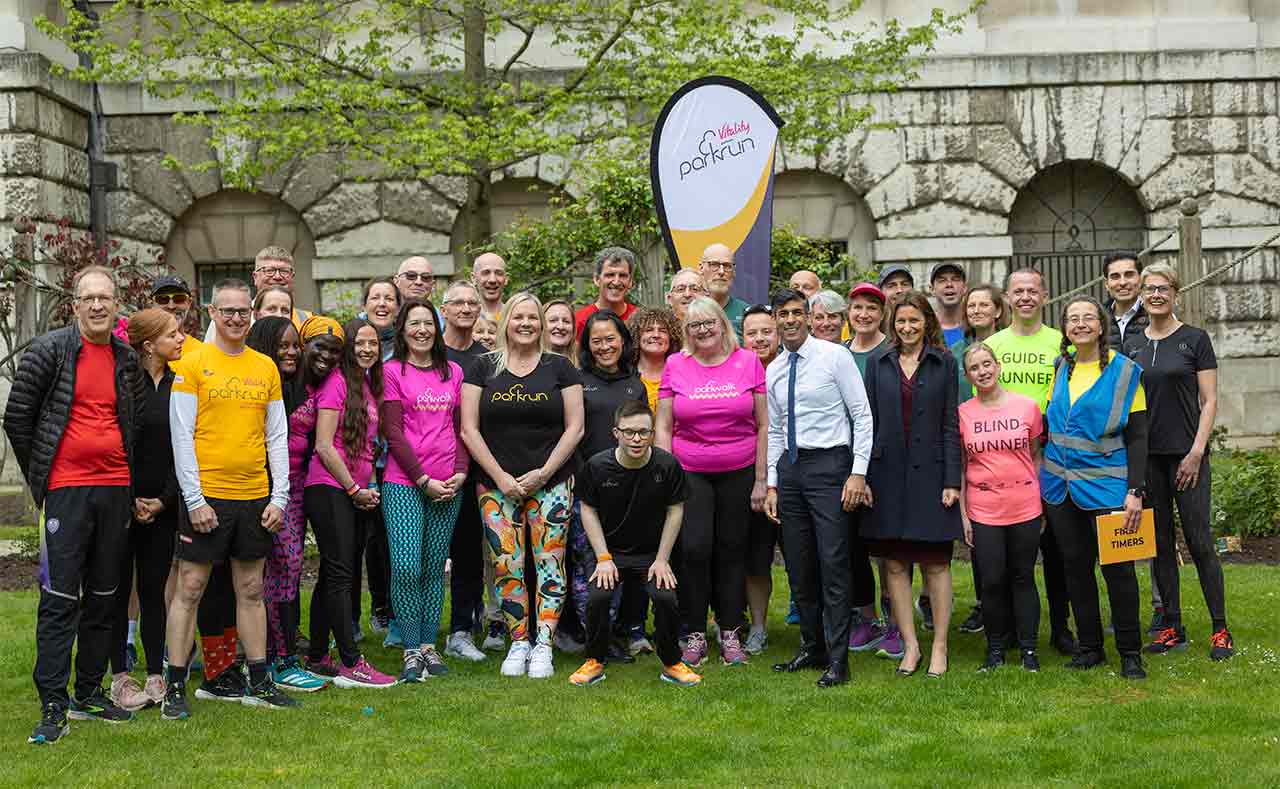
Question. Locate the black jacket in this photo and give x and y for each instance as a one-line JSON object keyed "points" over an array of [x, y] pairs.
{"points": [[907, 477], [1137, 324], [602, 394], [40, 402]]}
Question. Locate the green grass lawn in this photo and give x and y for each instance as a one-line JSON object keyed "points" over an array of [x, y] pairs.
{"points": [[1193, 723]]}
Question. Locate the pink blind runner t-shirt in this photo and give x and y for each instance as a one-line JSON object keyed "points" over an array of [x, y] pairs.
{"points": [[1001, 484], [429, 405], [713, 410], [333, 396]]}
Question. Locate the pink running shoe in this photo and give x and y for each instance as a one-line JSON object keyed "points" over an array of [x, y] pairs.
{"points": [[362, 675], [695, 651], [731, 651]]}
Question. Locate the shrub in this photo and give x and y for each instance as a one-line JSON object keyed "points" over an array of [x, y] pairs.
{"points": [[1246, 494]]}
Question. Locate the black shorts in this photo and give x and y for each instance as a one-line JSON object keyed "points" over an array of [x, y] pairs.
{"points": [[762, 536], [238, 535]]}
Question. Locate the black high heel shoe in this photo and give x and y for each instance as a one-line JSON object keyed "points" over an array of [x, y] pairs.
{"points": [[901, 672]]}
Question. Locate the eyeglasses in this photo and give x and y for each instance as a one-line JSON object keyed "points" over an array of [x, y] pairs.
{"points": [[275, 271], [722, 265], [465, 303], [627, 432], [95, 300], [758, 309], [1157, 290], [177, 299], [692, 288], [1079, 320], [228, 313], [697, 326], [413, 276]]}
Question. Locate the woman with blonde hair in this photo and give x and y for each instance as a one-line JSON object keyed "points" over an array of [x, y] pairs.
{"points": [[558, 329], [712, 416]]}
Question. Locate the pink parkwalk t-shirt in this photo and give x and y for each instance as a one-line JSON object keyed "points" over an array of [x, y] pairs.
{"points": [[429, 405], [302, 427], [1002, 486], [333, 397], [713, 410]]}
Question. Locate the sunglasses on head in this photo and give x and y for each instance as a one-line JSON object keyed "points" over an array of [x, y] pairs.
{"points": [[164, 299]]}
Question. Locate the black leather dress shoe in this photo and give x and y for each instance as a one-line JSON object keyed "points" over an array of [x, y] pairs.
{"points": [[803, 659], [836, 674]]}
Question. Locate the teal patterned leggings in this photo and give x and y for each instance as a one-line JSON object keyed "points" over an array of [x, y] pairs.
{"points": [[418, 533]]}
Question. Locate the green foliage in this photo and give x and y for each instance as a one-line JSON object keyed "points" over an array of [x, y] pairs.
{"points": [[791, 252], [1246, 494], [28, 544]]}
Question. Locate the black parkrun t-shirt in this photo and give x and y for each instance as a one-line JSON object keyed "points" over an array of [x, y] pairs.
{"points": [[632, 503], [1169, 377], [522, 417]]}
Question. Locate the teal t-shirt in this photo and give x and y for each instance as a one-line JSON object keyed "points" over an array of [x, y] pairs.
{"points": [[958, 348], [735, 310]]}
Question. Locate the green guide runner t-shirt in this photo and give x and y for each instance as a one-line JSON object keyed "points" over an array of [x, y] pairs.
{"points": [[1026, 363]]}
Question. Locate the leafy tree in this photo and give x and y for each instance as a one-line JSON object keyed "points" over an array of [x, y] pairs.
{"points": [[413, 86]]}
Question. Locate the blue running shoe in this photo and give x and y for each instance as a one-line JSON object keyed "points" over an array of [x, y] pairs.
{"points": [[288, 673], [393, 639], [793, 614]]}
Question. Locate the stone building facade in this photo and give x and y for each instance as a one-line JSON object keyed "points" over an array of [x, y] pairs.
{"points": [[1048, 132]]}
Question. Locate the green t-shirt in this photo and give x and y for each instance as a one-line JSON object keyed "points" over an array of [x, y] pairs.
{"points": [[957, 350], [735, 310], [860, 357], [1026, 363]]}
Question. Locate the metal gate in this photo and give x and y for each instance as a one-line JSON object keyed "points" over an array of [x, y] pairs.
{"points": [[1065, 271]]}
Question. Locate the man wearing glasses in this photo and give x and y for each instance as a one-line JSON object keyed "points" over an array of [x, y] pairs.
{"points": [[414, 279], [272, 267], [686, 286], [718, 271], [73, 414], [172, 295], [228, 428]]}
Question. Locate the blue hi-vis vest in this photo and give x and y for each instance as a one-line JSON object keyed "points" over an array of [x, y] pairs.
{"points": [[1086, 456]]}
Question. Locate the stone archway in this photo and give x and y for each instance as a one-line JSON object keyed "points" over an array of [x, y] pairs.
{"points": [[509, 199], [220, 235], [823, 206], [1069, 217]]}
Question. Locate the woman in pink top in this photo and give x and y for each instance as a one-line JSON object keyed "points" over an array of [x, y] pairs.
{"points": [[1000, 433], [425, 475], [712, 416], [337, 485]]}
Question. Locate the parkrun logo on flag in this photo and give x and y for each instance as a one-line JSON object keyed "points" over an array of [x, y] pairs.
{"points": [[715, 146], [714, 391], [516, 394]]}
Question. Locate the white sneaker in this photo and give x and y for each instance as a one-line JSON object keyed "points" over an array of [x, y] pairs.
{"points": [[461, 645], [540, 666], [516, 663]]}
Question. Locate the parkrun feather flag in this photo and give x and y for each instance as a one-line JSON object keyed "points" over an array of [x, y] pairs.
{"points": [[711, 162]]}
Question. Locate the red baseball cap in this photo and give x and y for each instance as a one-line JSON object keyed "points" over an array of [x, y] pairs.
{"points": [[867, 289]]}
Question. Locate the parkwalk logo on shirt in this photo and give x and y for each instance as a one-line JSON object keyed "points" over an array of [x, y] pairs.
{"points": [[714, 391], [517, 394], [430, 401]]}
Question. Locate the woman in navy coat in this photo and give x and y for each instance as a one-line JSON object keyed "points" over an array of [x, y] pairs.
{"points": [[914, 476]]}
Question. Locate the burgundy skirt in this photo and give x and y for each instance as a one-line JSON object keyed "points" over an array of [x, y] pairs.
{"points": [[912, 551]]}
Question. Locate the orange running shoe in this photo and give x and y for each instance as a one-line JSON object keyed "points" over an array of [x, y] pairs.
{"points": [[590, 673], [680, 674], [1222, 645]]}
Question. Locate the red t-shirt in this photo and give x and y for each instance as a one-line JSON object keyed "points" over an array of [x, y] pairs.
{"points": [[580, 317], [92, 451]]}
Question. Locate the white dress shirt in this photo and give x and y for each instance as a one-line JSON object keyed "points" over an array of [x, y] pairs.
{"points": [[829, 399]]}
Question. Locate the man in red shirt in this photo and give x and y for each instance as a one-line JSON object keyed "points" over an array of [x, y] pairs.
{"points": [[615, 271], [72, 417]]}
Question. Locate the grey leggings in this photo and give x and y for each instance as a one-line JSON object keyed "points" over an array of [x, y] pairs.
{"points": [[1193, 511]]}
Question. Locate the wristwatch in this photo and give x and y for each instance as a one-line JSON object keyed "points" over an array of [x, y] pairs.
{"points": [[1139, 492]]}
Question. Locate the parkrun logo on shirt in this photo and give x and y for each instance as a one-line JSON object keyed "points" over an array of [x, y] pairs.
{"points": [[714, 391], [248, 389], [429, 401], [516, 394]]}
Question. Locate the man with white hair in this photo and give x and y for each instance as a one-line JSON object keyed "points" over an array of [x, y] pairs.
{"points": [[686, 286]]}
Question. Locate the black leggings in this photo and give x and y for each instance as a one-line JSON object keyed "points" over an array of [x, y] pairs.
{"points": [[714, 534], [333, 519], [151, 551], [1076, 533], [1193, 511], [1010, 602]]}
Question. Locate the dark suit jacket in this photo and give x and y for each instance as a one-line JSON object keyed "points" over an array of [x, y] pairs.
{"points": [[907, 477]]}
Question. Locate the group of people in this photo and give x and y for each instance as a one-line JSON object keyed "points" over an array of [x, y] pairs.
{"points": [[581, 466]]}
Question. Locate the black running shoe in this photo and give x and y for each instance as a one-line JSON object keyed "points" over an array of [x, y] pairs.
{"points": [[995, 659], [1086, 659], [1064, 641], [1131, 667], [98, 707], [1030, 662], [1222, 646], [974, 623], [925, 606], [52, 727], [1170, 639], [266, 694], [175, 707], [230, 685]]}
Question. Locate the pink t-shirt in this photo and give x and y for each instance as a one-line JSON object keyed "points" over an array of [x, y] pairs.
{"points": [[1001, 484], [333, 397], [713, 410], [302, 426], [429, 406]]}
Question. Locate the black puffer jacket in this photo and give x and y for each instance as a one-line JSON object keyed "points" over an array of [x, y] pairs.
{"points": [[1134, 328], [40, 402]]}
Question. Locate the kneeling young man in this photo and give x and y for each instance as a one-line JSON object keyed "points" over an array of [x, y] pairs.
{"points": [[632, 505]]}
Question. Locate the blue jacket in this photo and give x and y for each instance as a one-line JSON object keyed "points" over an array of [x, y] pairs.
{"points": [[1086, 456]]}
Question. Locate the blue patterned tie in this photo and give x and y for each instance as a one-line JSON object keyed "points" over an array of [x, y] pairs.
{"points": [[793, 450]]}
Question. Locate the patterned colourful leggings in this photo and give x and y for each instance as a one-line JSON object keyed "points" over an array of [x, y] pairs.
{"points": [[546, 514], [418, 533], [282, 574]]}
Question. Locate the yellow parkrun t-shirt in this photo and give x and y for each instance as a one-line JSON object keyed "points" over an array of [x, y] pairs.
{"points": [[1086, 375], [232, 394]]}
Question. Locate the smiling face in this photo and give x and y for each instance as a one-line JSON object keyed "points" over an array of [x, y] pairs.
{"points": [[381, 305], [982, 370], [270, 272], [1026, 294], [793, 322], [634, 435], [826, 325], [559, 327], [908, 324], [760, 334], [490, 275], [174, 301], [288, 352], [982, 311], [321, 355], [948, 287], [461, 307], [806, 282], [275, 303], [654, 340], [686, 286], [605, 344], [231, 311], [614, 282], [897, 284], [866, 314], [1123, 280], [420, 331], [705, 333], [1083, 324], [718, 270], [367, 347], [95, 306], [415, 279], [524, 329], [1158, 295], [486, 333]]}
